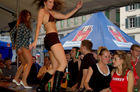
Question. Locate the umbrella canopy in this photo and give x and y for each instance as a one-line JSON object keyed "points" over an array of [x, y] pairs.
{"points": [[5, 44], [101, 32], [6, 49]]}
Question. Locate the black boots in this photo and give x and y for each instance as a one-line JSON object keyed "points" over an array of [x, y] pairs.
{"points": [[57, 81], [43, 82], [56, 84]]}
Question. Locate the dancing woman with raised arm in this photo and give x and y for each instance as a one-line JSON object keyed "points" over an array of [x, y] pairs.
{"points": [[46, 16]]}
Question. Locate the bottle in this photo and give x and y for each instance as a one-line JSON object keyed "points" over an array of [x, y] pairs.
{"points": [[67, 77], [135, 90], [49, 86], [77, 54]]}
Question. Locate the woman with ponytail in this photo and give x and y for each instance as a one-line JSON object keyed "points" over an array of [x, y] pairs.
{"points": [[99, 74]]}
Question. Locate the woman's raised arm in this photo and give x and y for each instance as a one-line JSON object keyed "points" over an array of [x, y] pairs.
{"points": [[58, 15]]}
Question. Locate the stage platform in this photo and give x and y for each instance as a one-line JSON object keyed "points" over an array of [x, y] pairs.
{"points": [[11, 87]]}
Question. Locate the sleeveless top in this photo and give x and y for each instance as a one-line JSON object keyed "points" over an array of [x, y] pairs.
{"points": [[119, 83], [51, 19], [98, 80]]}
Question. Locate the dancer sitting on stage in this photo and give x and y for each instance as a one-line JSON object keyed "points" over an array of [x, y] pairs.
{"points": [[47, 15], [20, 36]]}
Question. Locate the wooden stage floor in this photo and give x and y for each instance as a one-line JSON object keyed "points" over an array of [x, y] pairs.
{"points": [[11, 87]]}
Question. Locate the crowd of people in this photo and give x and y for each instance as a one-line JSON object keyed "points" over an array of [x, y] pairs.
{"points": [[117, 72], [78, 70]]}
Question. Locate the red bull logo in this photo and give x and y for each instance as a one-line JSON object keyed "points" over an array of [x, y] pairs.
{"points": [[116, 34], [83, 34]]}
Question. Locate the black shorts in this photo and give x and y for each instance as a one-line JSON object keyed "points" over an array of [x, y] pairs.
{"points": [[51, 39]]}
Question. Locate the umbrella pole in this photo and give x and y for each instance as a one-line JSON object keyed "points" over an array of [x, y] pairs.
{"points": [[17, 60], [18, 8]]}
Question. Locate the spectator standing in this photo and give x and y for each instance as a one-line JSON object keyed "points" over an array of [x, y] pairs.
{"points": [[73, 69], [32, 77], [88, 60], [122, 75], [99, 75], [135, 62]]}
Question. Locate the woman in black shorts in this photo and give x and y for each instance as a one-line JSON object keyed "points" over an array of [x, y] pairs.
{"points": [[47, 15]]}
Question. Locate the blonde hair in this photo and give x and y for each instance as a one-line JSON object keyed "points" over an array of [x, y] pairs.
{"points": [[100, 51]]}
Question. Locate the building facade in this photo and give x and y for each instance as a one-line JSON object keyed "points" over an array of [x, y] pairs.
{"points": [[130, 20]]}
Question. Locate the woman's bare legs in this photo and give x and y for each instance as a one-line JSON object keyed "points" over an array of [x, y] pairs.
{"points": [[28, 58], [54, 63], [58, 60], [20, 69], [48, 75], [59, 54], [18, 73]]}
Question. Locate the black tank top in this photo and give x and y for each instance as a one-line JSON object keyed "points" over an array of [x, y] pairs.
{"points": [[99, 81]]}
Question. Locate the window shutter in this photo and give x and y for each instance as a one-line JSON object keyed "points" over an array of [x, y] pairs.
{"points": [[75, 21], [138, 6], [83, 19], [68, 22], [126, 8], [126, 23], [135, 6], [62, 23], [138, 21], [107, 14]]}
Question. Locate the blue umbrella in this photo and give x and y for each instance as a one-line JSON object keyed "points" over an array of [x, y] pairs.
{"points": [[102, 32], [6, 49]]}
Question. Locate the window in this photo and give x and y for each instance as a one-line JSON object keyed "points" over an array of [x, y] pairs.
{"points": [[62, 23], [61, 36], [132, 36], [132, 22], [68, 22], [132, 7], [75, 20], [118, 16], [57, 24], [107, 14], [83, 19]]}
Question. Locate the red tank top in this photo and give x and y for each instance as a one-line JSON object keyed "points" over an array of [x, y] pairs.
{"points": [[119, 83]]}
